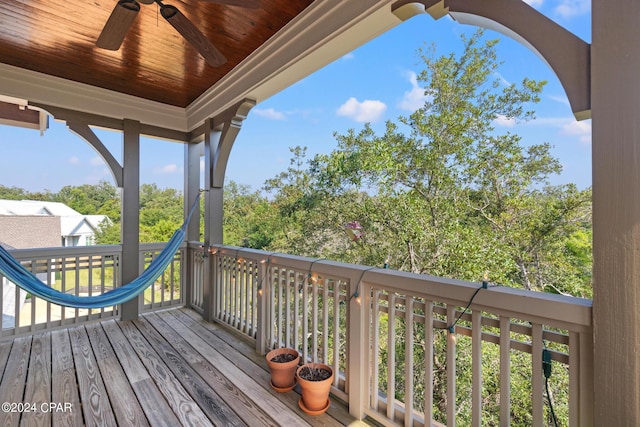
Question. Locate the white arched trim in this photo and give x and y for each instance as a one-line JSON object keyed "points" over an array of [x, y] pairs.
{"points": [[565, 53]]}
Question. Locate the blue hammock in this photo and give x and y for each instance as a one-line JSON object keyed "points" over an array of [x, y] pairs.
{"points": [[16, 273]]}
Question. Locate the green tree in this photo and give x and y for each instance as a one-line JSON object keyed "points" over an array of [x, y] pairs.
{"points": [[90, 199], [161, 212], [13, 193], [249, 218]]}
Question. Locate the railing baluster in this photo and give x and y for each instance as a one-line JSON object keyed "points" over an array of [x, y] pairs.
{"points": [[298, 305], [505, 371], [476, 368], [537, 386], [584, 400], [375, 356], [51, 282], [290, 290], [77, 284], [325, 322], [314, 320], [305, 322], [238, 294], [226, 295], [233, 294], [451, 368], [391, 357], [408, 362], [336, 326], [428, 362]]}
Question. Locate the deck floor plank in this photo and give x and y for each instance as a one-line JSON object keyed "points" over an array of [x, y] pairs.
{"points": [[123, 400], [169, 368], [38, 388], [14, 379], [93, 394], [5, 351], [64, 389], [153, 403], [183, 406]]}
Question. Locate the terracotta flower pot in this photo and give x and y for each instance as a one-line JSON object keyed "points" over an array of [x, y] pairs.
{"points": [[283, 374], [315, 391]]}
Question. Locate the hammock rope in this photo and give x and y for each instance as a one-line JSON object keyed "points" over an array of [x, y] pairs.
{"points": [[25, 279]]}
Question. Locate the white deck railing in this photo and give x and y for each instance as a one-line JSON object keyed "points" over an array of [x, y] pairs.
{"points": [[387, 334], [86, 270]]}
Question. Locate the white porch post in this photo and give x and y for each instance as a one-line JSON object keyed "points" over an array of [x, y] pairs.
{"points": [[616, 211], [130, 220], [212, 217], [191, 189]]}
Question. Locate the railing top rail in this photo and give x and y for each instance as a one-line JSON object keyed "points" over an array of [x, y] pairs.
{"points": [[66, 251], [62, 251], [550, 309]]}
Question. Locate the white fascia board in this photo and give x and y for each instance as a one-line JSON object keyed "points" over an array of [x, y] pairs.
{"points": [[40, 88], [322, 33]]}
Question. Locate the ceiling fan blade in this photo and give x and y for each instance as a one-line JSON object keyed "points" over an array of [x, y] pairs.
{"points": [[193, 35], [118, 25], [249, 4]]}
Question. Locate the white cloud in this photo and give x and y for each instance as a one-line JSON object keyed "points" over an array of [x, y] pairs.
{"points": [[73, 160], [414, 98], [365, 111], [571, 8], [534, 3], [167, 169], [348, 56], [270, 113], [501, 78], [504, 121], [560, 98], [580, 129], [566, 126], [96, 161]]}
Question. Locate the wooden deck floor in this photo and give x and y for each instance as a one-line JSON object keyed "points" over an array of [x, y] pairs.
{"points": [[168, 368]]}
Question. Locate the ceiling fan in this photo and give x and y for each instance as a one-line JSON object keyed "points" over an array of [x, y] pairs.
{"points": [[125, 12]]}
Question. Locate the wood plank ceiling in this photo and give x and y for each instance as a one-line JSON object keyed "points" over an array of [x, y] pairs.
{"points": [[57, 37]]}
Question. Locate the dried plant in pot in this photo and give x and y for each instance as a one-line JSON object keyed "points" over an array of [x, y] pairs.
{"points": [[283, 363], [315, 381]]}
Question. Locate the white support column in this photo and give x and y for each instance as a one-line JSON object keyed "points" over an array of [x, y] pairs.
{"points": [[130, 219], [212, 235], [616, 211], [191, 189]]}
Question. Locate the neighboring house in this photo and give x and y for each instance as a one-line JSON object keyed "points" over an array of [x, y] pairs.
{"points": [[30, 231], [75, 229], [24, 232]]}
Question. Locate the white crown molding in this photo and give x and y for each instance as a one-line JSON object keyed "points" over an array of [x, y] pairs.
{"points": [[39, 88], [322, 33]]}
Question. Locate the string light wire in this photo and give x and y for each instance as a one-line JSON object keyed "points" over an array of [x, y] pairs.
{"points": [[452, 328], [356, 294]]}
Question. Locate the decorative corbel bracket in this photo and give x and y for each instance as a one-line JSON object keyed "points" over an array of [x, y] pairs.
{"points": [[564, 52]]}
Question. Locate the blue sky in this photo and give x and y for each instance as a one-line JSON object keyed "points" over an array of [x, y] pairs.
{"points": [[374, 83]]}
